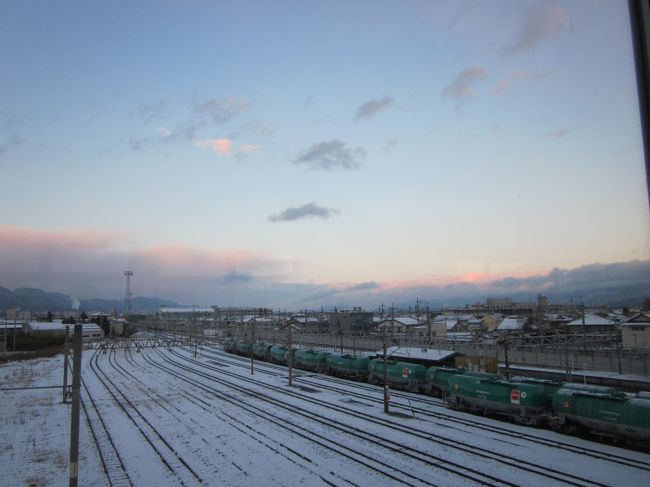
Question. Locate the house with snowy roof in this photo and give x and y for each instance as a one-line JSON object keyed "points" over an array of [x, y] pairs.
{"points": [[635, 331], [592, 323], [514, 324]]}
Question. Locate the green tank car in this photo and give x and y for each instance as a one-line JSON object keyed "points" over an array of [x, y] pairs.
{"points": [[262, 350], [244, 348], [437, 378], [526, 403], [604, 411], [230, 345], [311, 360], [348, 366], [402, 375], [279, 354]]}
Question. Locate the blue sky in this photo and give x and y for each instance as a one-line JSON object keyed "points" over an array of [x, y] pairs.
{"points": [[298, 144]]}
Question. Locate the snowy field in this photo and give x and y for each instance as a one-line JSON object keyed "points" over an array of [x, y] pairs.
{"points": [[158, 416]]}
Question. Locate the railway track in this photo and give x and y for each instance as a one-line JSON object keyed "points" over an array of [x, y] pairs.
{"points": [[170, 458], [367, 460], [109, 455], [484, 454], [528, 436]]}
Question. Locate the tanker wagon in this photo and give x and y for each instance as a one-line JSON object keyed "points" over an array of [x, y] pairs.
{"points": [[244, 348], [278, 354], [402, 375], [437, 378], [604, 411], [348, 366], [527, 404], [311, 360], [262, 350]]}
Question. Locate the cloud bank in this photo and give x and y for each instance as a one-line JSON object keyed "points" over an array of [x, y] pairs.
{"points": [[87, 264]]}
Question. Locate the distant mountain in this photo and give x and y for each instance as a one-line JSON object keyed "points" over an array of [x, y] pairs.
{"points": [[39, 300], [138, 305], [34, 299]]}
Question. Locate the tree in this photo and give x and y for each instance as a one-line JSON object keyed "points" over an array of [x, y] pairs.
{"points": [[49, 317]]}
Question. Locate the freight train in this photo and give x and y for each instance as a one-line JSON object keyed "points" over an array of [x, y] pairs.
{"points": [[566, 407]]}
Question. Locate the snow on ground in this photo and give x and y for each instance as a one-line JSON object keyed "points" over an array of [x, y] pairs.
{"points": [[172, 419]]}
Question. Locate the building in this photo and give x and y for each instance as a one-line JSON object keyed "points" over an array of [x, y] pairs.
{"points": [[351, 321], [398, 324], [514, 324], [592, 324], [635, 332]]}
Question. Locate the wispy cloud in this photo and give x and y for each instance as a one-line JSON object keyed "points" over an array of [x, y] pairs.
{"points": [[331, 154], [236, 278], [372, 107], [9, 142], [506, 84], [220, 111], [461, 87], [309, 210], [148, 112], [363, 286], [559, 133], [543, 21], [226, 147], [221, 146]]}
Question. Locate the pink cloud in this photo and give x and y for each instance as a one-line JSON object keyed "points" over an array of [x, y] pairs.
{"points": [[506, 84], [476, 278], [226, 148], [88, 264], [462, 86], [221, 146], [543, 21]]}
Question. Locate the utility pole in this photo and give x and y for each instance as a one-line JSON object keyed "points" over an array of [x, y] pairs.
{"points": [[290, 354], [566, 354], [386, 410], [584, 328], [65, 363], [196, 335], [506, 353], [252, 345], [74, 421]]}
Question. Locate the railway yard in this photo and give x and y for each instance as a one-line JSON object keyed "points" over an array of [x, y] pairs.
{"points": [[162, 415]]}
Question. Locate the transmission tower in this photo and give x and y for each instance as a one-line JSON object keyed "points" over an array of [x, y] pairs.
{"points": [[127, 297]]}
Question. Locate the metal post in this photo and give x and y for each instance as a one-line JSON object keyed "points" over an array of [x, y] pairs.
{"points": [[65, 363], [252, 346], [74, 421], [566, 354], [506, 354], [290, 355], [385, 372], [584, 329]]}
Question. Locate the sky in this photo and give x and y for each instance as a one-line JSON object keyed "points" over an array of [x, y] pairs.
{"points": [[231, 152]]}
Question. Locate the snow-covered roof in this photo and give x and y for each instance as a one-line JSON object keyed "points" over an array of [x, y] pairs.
{"points": [[639, 319], [451, 324], [186, 310], [512, 323], [403, 320], [465, 317], [46, 326], [592, 320], [417, 353]]}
